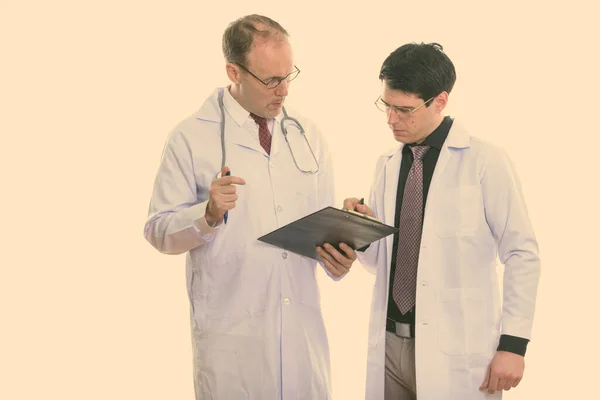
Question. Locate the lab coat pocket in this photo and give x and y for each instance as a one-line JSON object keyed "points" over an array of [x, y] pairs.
{"points": [[306, 188], [237, 283], [222, 272], [222, 267], [462, 321], [306, 203], [231, 368], [457, 210]]}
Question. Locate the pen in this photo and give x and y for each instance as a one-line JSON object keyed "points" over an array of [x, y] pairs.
{"points": [[226, 212]]}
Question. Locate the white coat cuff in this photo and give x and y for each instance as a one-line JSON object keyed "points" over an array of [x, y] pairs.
{"points": [[206, 232]]}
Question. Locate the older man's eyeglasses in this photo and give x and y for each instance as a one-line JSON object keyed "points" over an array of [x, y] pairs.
{"points": [[272, 83], [401, 112]]}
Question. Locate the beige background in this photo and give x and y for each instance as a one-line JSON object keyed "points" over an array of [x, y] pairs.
{"points": [[89, 91]]}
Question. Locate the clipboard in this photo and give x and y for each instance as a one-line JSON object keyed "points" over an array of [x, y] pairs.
{"points": [[328, 225]]}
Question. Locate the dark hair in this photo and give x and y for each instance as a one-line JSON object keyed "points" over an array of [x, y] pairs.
{"points": [[421, 69], [240, 34]]}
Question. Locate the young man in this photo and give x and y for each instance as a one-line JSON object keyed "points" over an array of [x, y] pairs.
{"points": [[257, 327], [439, 329]]}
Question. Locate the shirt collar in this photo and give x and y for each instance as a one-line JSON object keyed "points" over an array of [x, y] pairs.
{"points": [[239, 114], [438, 136]]}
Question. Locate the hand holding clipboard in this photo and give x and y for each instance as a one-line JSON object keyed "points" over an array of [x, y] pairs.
{"points": [[355, 204], [353, 225]]}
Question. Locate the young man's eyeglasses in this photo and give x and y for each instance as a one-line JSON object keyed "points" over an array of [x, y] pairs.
{"points": [[401, 112]]}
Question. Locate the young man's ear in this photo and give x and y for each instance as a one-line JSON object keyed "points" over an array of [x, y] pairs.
{"points": [[441, 101]]}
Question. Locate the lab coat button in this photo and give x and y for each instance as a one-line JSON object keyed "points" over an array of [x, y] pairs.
{"points": [[286, 301], [279, 208], [284, 256]]}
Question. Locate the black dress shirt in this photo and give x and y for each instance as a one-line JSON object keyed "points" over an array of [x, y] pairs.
{"points": [[435, 140]]}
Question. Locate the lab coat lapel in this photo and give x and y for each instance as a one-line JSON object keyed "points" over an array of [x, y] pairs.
{"points": [[241, 137], [277, 139], [390, 185], [234, 134], [458, 138], [442, 162]]}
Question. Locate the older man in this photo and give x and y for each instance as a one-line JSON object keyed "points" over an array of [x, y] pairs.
{"points": [[258, 332]]}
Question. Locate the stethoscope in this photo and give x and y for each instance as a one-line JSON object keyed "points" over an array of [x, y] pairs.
{"points": [[283, 129]]}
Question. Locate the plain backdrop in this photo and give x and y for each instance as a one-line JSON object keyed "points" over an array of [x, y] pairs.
{"points": [[90, 89]]}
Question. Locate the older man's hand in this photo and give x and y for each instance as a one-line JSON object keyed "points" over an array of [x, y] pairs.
{"points": [[335, 262]]}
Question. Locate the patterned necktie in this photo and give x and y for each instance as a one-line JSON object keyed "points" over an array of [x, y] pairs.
{"points": [[409, 242], [263, 133]]}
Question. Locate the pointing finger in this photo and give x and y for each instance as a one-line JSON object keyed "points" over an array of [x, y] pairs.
{"points": [[230, 180]]}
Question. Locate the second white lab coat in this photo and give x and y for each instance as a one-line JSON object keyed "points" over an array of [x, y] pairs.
{"points": [[475, 213], [258, 331]]}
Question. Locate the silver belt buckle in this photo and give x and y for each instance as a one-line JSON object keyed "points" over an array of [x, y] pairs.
{"points": [[403, 330]]}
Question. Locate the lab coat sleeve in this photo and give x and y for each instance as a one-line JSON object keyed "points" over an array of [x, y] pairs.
{"points": [[508, 219], [176, 222], [368, 257]]}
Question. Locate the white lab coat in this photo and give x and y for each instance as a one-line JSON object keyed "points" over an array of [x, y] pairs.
{"points": [[475, 213], [257, 326]]}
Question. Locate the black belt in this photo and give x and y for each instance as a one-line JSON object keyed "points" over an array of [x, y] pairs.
{"points": [[402, 329]]}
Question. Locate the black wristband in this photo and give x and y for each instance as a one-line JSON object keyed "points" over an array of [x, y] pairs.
{"points": [[513, 344]]}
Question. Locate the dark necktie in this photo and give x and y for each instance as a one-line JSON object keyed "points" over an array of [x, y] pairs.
{"points": [[263, 133], [409, 242]]}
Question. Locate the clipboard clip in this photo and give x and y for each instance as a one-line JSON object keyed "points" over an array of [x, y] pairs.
{"points": [[361, 215]]}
